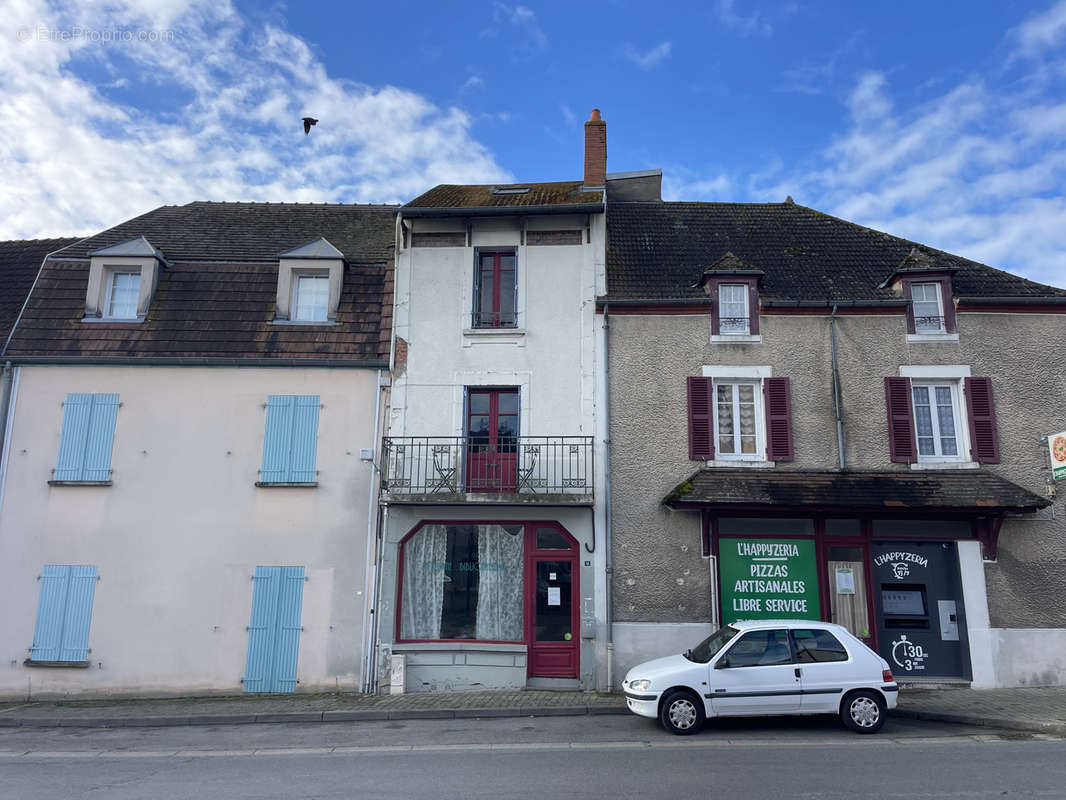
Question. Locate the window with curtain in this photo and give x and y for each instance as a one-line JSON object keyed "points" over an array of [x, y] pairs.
{"points": [[463, 582]]}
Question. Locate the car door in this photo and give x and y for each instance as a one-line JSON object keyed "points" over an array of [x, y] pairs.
{"points": [[825, 668], [755, 675]]}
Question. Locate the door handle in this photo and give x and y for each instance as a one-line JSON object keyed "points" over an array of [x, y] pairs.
{"points": [[798, 673]]}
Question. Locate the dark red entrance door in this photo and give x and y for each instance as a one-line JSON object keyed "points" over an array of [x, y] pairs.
{"points": [[551, 603], [492, 440]]}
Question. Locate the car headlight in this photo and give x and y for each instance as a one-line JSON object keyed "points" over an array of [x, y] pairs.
{"points": [[641, 685]]}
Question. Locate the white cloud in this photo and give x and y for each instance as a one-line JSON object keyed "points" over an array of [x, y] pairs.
{"points": [[524, 20], [648, 58], [974, 171], [1040, 32], [75, 160], [753, 23]]}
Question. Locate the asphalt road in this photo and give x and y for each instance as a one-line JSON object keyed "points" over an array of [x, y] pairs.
{"points": [[575, 757]]}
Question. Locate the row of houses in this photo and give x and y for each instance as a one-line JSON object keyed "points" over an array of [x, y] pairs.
{"points": [[520, 435]]}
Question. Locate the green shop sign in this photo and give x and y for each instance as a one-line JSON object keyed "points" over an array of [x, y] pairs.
{"points": [[768, 579]]}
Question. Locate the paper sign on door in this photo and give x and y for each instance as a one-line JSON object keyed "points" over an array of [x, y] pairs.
{"points": [[845, 581], [555, 596]]}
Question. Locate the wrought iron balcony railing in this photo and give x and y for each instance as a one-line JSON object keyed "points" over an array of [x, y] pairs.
{"points": [[525, 468], [926, 324]]}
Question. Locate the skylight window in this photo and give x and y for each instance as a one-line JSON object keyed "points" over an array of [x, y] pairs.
{"points": [[511, 190]]}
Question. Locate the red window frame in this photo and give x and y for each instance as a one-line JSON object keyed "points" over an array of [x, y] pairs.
{"points": [[498, 313]]}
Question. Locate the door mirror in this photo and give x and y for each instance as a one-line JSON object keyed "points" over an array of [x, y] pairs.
{"points": [[723, 663]]}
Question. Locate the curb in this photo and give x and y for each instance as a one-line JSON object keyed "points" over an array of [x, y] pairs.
{"points": [[309, 716], [1031, 726]]}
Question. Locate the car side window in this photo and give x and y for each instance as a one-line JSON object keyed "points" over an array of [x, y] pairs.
{"points": [[817, 645], [760, 649]]}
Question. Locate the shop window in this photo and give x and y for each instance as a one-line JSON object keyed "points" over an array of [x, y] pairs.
{"points": [[817, 646], [552, 539], [463, 582], [843, 527], [760, 649], [752, 526]]}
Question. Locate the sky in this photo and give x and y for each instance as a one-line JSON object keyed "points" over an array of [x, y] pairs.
{"points": [[943, 122]]}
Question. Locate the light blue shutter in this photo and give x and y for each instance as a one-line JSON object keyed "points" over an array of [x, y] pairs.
{"points": [[64, 613], [86, 438], [266, 585], [305, 438], [101, 436], [291, 439], [80, 592], [288, 637], [76, 412], [274, 632], [51, 605]]}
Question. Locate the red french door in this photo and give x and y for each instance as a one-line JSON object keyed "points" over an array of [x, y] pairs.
{"points": [[492, 440], [551, 604]]}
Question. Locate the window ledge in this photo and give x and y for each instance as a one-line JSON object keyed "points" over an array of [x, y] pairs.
{"points": [[126, 320], [494, 332], [915, 338], [920, 465], [286, 484], [79, 483], [744, 463], [29, 662], [736, 338], [458, 645], [311, 323]]}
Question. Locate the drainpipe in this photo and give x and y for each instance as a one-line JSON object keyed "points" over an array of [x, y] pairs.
{"points": [[836, 389], [370, 579], [5, 423], [607, 537]]}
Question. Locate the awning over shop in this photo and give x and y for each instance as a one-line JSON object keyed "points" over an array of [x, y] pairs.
{"points": [[957, 491]]}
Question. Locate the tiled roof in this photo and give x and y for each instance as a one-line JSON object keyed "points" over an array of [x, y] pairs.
{"points": [[505, 196], [659, 250], [217, 294], [968, 490], [253, 231], [19, 262]]}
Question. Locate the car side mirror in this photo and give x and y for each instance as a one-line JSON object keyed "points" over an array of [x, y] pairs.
{"points": [[723, 663]]}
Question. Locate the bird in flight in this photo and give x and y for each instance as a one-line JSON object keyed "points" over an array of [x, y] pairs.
{"points": [[308, 122]]}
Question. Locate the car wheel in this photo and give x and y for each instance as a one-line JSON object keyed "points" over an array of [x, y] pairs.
{"points": [[681, 712], [863, 711]]}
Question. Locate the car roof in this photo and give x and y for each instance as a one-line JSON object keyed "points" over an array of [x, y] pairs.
{"points": [[760, 624]]}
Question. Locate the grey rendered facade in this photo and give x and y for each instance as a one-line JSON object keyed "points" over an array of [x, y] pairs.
{"points": [[665, 576]]}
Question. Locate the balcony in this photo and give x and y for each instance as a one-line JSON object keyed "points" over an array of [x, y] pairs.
{"points": [[552, 470]]}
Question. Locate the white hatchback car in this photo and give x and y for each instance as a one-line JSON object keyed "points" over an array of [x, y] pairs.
{"points": [[766, 667]]}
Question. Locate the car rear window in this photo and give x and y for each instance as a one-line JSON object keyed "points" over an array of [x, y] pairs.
{"points": [[817, 645]]}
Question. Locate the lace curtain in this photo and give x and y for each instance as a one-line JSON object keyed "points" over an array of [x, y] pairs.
{"points": [[849, 610], [424, 557], [499, 604]]}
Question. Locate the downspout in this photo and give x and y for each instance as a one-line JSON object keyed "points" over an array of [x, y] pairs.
{"points": [[607, 538], [836, 389], [370, 578], [6, 421]]}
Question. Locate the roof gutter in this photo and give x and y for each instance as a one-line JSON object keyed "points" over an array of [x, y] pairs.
{"points": [[196, 361], [1021, 301], [502, 211]]}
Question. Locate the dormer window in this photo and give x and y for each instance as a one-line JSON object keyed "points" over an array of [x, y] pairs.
{"points": [[310, 297], [122, 281], [309, 284], [123, 288], [928, 308], [733, 317]]}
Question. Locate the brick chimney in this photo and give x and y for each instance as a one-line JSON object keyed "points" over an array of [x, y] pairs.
{"points": [[595, 150]]}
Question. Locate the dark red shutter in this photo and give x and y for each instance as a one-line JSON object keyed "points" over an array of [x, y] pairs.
{"points": [[949, 305], [778, 396], [984, 441], [753, 308], [901, 445], [716, 310], [908, 296], [700, 419]]}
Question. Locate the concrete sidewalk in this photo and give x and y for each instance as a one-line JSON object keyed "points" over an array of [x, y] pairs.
{"points": [[1041, 710]]}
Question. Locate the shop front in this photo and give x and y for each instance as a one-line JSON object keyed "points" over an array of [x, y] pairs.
{"points": [[890, 572]]}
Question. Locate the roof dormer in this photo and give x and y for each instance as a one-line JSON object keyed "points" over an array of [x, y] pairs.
{"points": [[926, 286], [309, 283], [733, 285], [122, 281]]}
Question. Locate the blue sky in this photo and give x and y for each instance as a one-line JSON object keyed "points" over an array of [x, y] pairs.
{"points": [[944, 122]]}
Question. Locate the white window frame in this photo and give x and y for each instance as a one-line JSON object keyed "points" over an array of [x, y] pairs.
{"points": [[299, 275], [957, 417], [938, 289], [760, 445], [109, 293], [746, 331], [754, 375], [943, 375]]}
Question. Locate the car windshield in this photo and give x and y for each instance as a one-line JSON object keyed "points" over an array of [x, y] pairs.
{"points": [[705, 650]]}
